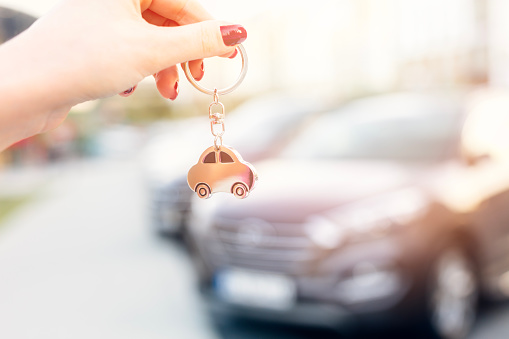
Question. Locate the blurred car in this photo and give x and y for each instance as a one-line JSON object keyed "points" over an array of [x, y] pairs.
{"points": [[257, 129], [390, 209]]}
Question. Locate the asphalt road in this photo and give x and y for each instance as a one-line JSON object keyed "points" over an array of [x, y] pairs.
{"points": [[80, 261]]}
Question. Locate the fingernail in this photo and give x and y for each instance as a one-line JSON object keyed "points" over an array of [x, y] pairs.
{"points": [[202, 68], [234, 54], [128, 92], [233, 34], [176, 87]]}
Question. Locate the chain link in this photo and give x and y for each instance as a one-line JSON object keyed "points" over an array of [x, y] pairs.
{"points": [[218, 142], [217, 121], [215, 96]]}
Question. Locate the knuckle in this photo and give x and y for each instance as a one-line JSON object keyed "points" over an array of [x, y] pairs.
{"points": [[181, 11], [205, 41], [208, 40]]}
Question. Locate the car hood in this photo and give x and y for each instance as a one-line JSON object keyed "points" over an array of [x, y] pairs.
{"points": [[289, 191]]}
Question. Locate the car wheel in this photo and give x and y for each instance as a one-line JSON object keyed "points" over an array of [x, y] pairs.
{"points": [[240, 190], [452, 295], [203, 191]]}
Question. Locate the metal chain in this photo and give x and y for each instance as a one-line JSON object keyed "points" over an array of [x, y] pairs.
{"points": [[217, 121]]}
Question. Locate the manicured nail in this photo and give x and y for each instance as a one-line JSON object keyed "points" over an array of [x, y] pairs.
{"points": [[176, 87], [128, 92], [202, 68], [234, 54], [233, 34]]}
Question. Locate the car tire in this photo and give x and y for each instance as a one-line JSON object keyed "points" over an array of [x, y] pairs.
{"points": [[452, 295], [240, 190], [203, 191]]}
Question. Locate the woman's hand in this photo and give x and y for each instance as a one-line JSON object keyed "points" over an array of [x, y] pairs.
{"points": [[88, 49]]}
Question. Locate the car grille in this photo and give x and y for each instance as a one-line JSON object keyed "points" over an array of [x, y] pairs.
{"points": [[257, 244]]}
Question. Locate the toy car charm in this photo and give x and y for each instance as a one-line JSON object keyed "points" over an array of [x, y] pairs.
{"points": [[221, 169]]}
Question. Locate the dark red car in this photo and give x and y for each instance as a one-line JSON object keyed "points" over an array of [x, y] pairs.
{"points": [[391, 209]]}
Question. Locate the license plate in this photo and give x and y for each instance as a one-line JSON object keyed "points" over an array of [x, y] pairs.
{"points": [[253, 288]]}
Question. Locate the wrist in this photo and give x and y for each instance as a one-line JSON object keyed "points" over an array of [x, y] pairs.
{"points": [[30, 98]]}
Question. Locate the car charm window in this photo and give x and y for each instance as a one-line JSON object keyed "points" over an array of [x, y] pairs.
{"points": [[225, 158], [210, 158]]}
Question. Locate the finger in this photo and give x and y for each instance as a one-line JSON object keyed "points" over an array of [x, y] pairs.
{"points": [[158, 20], [194, 41], [197, 69], [183, 12], [230, 55], [167, 82], [195, 66]]}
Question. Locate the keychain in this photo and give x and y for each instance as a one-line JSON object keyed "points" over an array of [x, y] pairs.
{"points": [[221, 168]]}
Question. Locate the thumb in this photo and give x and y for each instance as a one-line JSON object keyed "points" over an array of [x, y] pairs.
{"points": [[196, 41]]}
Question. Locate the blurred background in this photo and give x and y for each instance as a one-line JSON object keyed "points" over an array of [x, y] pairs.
{"points": [[379, 131]]}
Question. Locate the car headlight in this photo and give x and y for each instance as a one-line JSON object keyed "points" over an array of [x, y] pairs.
{"points": [[369, 218], [324, 232]]}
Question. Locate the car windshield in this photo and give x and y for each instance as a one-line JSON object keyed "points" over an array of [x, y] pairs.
{"points": [[397, 128]]}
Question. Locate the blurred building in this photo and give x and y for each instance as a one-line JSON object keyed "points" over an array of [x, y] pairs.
{"points": [[340, 49], [353, 47]]}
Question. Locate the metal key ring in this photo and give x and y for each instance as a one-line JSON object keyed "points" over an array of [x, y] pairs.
{"points": [[226, 90]]}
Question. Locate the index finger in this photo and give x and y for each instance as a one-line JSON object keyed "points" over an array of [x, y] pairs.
{"points": [[183, 12]]}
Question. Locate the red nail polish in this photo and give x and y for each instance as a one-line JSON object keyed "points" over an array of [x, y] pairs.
{"points": [[234, 54], [176, 87], [233, 34], [128, 92], [202, 68]]}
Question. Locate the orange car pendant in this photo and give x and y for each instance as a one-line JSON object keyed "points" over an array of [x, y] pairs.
{"points": [[221, 169]]}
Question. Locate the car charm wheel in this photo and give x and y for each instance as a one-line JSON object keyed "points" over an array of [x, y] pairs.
{"points": [[453, 295], [240, 191], [203, 191]]}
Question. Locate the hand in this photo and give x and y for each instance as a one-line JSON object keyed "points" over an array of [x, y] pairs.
{"points": [[88, 49]]}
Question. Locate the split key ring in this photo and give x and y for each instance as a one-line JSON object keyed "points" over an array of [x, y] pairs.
{"points": [[242, 75]]}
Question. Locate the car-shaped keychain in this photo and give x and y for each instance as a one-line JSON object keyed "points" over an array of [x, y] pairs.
{"points": [[221, 169]]}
